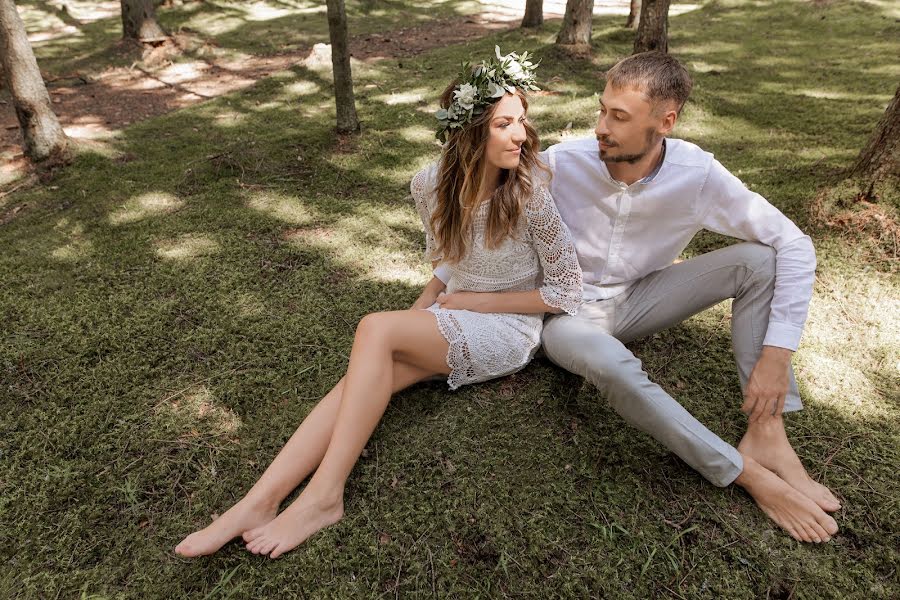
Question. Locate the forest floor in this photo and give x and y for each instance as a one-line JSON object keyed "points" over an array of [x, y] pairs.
{"points": [[175, 301]]}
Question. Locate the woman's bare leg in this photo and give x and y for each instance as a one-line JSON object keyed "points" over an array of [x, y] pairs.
{"points": [[296, 460], [381, 339]]}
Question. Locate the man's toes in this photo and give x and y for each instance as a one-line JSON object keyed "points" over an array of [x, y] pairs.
{"points": [[828, 524], [812, 534], [820, 532], [832, 502], [804, 534], [278, 551]]}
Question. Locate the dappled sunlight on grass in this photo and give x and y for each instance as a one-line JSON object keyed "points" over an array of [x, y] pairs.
{"points": [[854, 324], [195, 411], [144, 206], [187, 246], [704, 67], [418, 134], [248, 304], [76, 245], [283, 207], [372, 243], [842, 386], [889, 7], [413, 96], [229, 118], [302, 88]]}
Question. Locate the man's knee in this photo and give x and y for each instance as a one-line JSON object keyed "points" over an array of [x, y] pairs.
{"points": [[758, 258]]}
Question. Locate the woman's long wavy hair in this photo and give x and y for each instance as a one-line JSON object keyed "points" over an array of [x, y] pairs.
{"points": [[461, 170]]}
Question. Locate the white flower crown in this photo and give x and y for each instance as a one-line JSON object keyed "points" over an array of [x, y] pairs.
{"points": [[483, 85]]}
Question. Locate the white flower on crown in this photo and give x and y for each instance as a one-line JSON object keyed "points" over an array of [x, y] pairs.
{"points": [[465, 96], [514, 68]]}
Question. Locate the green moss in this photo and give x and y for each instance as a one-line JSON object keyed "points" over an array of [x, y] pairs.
{"points": [[173, 307]]}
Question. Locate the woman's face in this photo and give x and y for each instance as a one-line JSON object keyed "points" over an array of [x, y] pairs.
{"points": [[507, 133]]}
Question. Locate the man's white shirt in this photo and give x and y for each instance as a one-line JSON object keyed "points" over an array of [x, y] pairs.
{"points": [[625, 232]]}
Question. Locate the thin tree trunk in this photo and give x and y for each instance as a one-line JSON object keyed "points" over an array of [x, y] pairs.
{"points": [[653, 29], [880, 158], [139, 21], [634, 15], [347, 120], [534, 13], [44, 136], [576, 27]]}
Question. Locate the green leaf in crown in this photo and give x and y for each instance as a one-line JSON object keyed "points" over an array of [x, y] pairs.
{"points": [[483, 85]]}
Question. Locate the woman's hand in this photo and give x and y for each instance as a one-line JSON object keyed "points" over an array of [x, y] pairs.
{"points": [[429, 294], [425, 300], [474, 301]]}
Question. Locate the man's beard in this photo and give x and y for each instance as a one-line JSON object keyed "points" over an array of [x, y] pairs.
{"points": [[650, 140]]}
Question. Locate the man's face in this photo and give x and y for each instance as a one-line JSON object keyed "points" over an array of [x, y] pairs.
{"points": [[628, 126]]}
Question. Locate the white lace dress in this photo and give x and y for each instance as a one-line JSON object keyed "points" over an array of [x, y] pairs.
{"points": [[540, 255]]}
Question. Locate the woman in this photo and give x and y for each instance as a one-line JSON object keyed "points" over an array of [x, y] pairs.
{"points": [[486, 217]]}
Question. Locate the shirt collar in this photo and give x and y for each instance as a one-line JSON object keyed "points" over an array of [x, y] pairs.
{"points": [[659, 165]]}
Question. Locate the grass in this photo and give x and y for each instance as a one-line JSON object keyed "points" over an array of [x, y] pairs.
{"points": [[175, 302]]}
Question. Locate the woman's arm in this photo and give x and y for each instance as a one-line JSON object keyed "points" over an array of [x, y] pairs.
{"points": [[562, 288], [497, 302], [431, 292], [422, 194]]}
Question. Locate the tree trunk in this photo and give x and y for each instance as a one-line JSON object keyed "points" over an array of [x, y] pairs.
{"points": [[880, 158], [347, 120], [653, 29], [634, 15], [534, 13], [44, 136], [576, 28], [139, 21]]}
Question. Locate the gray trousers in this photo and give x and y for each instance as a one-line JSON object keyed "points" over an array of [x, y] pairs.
{"points": [[592, 344]]}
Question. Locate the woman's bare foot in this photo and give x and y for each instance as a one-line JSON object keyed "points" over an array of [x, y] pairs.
{"points": [[767, 443], [791, 510], [239, 518], [294, 525]]}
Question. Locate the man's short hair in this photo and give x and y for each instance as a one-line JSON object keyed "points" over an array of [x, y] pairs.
{"points": [[656, 74]]}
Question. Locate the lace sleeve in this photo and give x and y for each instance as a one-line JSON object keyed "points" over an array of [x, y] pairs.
{"points": [[563, 281], [422, 190]]}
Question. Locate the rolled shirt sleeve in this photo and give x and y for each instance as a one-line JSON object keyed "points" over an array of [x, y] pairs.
{"points": [[732, 209]]}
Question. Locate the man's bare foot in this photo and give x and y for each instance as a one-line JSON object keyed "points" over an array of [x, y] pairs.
{"points": [[767, 443], [791, 510], [239, 518], [294, 525]]}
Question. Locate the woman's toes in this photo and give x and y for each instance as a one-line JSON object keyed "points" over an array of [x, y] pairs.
{"points": [[251, 534], [268, 547]]}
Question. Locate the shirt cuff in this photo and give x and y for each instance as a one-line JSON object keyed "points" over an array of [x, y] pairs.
{"points": [[783, 335], [443, 272]]}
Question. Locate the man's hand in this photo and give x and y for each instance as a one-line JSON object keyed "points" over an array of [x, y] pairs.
{"points": [[474, 301], [768, 384]]}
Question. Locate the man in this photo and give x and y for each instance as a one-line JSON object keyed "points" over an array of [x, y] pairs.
{"points": [[633, 200]]}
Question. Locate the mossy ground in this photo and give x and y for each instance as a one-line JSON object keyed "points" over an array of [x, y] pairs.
{"points": [[176, 301]]}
